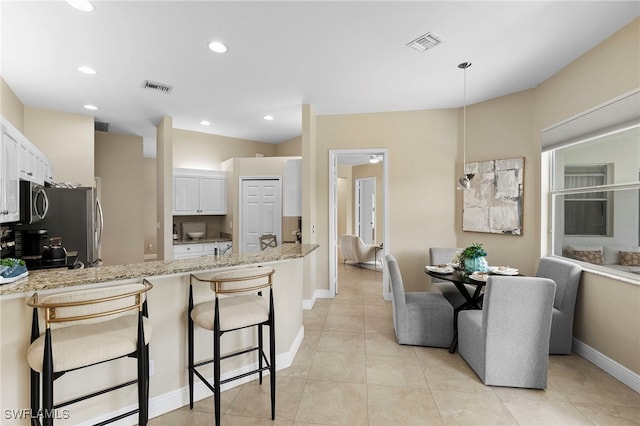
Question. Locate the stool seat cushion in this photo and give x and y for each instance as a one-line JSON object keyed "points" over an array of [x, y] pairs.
{"points": [[86, 344], [235, 312]]}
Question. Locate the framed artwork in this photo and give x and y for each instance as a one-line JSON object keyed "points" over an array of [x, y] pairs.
{"points": [[494, 202]]}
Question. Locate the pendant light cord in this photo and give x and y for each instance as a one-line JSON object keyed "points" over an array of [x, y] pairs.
{"points": [[464, 67]]}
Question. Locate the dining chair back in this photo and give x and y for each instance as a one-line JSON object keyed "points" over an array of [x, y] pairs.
{"points": [[507, 342], [566, 275], [419, 318]]}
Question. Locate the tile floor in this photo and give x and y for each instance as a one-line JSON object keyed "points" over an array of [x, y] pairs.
{"points": [[349, 370]]}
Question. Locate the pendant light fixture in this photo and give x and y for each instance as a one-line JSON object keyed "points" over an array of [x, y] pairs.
{"points": [[465, 180]]}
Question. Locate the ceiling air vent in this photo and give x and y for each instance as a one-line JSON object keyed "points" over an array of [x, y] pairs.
{"points": [[425, 42], [101, 126], [154, 85]]}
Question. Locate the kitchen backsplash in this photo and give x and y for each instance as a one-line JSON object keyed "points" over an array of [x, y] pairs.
{"points": [[211, 225]]}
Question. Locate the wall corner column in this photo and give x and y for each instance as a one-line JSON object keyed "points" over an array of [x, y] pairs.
{"points": [[164, 190]]}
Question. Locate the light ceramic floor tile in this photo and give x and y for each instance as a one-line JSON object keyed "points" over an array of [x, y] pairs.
{"points": [[401, 406], [349, 370], [464, 408], [341, 341], [605, 415], [254, 400], [386, 344], [546, 413], [339, 367], [394, 371], [331, 403]]}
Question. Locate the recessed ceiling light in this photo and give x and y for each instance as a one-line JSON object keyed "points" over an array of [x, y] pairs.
{"points": [[91, 107], [205, 123], [268, 117], [86, 70], [217, 47], [83, 5]]}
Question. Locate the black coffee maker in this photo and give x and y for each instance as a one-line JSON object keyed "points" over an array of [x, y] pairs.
{"points": [[33, 245]]}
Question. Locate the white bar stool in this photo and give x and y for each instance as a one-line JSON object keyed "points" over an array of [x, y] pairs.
{"points": [[238, 304], [85, 328]]}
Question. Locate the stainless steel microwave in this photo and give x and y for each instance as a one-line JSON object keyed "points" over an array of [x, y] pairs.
{"points": [[34, 203]]}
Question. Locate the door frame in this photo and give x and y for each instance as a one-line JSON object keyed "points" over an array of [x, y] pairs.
{"points": [[359, 184], [334, 155], [239, 220]]}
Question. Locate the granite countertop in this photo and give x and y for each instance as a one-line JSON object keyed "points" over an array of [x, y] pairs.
{"points": [[49, 279], [202, 240]]}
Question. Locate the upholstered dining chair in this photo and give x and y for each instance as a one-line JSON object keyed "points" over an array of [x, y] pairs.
{"points": [[419, 318], [507, 342], [443, 255], [566, 275]]}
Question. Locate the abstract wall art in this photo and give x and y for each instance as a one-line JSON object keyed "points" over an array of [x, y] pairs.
{"points": [[494, 202]]}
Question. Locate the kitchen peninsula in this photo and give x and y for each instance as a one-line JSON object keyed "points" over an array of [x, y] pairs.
{"points": [[167, 313]]}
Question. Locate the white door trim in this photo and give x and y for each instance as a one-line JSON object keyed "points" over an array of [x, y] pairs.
{"points": [[334, 154]]}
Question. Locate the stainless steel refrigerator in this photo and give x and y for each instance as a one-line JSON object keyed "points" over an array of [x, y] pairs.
{"points": [[75, 215]]}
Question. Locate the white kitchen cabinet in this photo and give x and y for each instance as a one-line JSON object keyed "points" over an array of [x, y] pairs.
{"points": [[183, 251], [199, 192], [292, 188], [9, 180]]}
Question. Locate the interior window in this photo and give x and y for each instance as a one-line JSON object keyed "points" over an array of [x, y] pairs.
{"points": [[586, 213]]}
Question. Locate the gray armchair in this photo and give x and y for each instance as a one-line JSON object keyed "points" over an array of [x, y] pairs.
{"points": [[566, 275], [507, 342], [419, 318], [442, 255]]}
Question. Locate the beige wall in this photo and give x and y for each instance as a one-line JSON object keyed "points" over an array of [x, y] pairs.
{"points": [[607, 311], [194, 150], [67, 140], [10, 106], [150, 205], [496, 129], [422, 164], [290, 148], [119, 164]]}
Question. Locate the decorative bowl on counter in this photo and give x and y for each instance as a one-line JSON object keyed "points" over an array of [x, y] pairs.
{"points": [[195, 235]]}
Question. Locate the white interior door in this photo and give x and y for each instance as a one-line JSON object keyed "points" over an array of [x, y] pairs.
{"points": [[365, 209], [261, 212]]}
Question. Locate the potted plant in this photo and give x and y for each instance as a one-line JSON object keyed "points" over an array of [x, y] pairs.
{"points": [[473, 259]]}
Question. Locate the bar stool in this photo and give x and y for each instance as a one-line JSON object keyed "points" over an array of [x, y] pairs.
{"points": [[268, 240], [238, 304], [84, 328]]}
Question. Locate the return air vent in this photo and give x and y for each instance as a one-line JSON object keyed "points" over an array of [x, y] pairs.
{"points": [[425, 42], [101, 126], [154, 85]]}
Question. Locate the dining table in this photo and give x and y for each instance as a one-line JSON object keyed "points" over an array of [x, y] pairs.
{"points": [[473, 300]]}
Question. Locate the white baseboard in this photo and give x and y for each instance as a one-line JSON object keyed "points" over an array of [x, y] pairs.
{"points": [[605, 363], [318, 294], [177, 398]]}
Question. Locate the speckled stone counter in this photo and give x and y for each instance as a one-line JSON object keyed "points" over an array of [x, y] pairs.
{"points": [[202, 240], [60, 278]]}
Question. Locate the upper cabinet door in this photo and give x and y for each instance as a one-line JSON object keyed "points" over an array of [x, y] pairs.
{"points": [[10, 193], [185, 195], [213, 195]]}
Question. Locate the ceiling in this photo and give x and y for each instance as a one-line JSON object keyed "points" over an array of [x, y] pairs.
{"points": [[340, 57]]}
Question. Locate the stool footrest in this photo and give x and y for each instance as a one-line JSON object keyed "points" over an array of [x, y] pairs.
{"points": [[231, 355], [116, 418], [94, 394]]}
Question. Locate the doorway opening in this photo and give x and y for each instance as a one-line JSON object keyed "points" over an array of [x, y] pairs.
{"points": [[370, 191]]}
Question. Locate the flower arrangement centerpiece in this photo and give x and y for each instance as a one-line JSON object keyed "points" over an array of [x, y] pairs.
{"points": [[472, 259]]}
